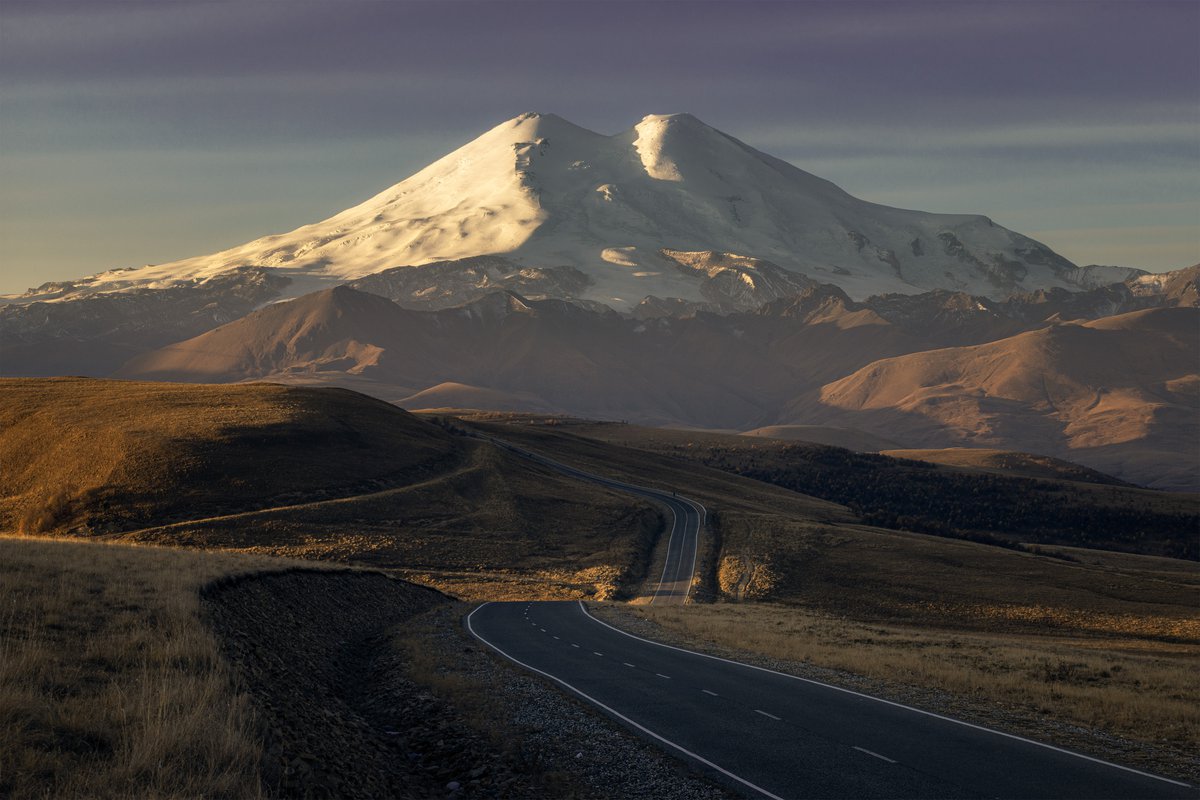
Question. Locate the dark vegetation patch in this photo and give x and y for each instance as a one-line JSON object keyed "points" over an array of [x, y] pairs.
{"points": [[978, 506]]}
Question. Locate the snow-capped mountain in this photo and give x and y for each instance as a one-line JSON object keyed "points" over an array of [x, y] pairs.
{"points": [[626, 210]]}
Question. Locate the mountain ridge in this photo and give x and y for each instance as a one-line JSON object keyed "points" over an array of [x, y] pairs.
{"points": [[789, 362]]}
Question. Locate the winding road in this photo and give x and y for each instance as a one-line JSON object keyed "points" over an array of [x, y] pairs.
{"points": [[767, 734], [674, 586]]}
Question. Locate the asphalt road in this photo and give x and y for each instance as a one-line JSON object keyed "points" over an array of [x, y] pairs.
{"points": [[772, 735], [687, 523]]}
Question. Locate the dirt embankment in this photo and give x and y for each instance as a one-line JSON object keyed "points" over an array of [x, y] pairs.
{"points": [[338, 717], [366, 686]]}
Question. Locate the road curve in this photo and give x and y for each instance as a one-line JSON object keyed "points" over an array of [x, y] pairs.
{"points": [[687, 524], [772, 735]]}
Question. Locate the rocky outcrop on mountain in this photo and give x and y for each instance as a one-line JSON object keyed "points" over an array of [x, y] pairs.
{"points": [[1094, 276], [1180, 287], [652, 307], [737, 283], [93, 332], [445, 284]]}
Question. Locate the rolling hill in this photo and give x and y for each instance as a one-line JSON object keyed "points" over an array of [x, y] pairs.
{"points": [[315, 473], [1118, 394]]}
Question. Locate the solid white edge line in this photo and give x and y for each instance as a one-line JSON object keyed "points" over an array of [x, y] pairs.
{"points": [[586, 613], [871, 753], [619, 715], [619, 484], [667, 559], [642, 490], [695, 544]]}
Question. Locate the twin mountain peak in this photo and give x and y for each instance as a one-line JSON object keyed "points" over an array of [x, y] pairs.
{"points": [[662, 210]]}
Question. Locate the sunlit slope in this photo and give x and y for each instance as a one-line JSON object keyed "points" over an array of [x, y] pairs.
{"points": [[94, 455], [316, 473], [1120, 394]]}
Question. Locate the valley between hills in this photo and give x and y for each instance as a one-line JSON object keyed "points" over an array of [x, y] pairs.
{"points": [[249, 560]]}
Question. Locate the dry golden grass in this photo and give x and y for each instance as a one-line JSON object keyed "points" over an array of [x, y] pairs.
{"points": [[1123, 680], [496, 514], [877, 574], [94, 456], [572, 444], [111, 685], [321, 474]]}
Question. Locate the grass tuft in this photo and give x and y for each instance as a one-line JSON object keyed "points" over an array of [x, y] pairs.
{"points": [[111, 685]]}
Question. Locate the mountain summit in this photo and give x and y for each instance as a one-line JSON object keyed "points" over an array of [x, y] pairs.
{"points": [[545, 193]]}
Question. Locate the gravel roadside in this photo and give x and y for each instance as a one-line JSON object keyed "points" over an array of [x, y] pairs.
{"points": [[601, 758], [365, 686]]}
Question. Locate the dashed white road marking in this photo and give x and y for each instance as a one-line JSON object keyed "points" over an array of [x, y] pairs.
{"points": [[868, 752], [558, 638], [706, 691], [765, 714], [597, 654], [626, 663], [621, 716], [543, 630], [892, 703], [574, 645], [659, 674]]}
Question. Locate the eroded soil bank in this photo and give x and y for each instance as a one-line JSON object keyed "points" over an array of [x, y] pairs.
{"points": [[366, 686], [338, 720]]}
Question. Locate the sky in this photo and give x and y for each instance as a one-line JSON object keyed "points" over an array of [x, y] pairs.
{"points": [[144, 131]]}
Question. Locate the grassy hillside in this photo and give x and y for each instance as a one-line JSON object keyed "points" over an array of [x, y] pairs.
{"points": [[767, 543], [1007, 462], [110, 684], [1001, 498], [313, 473], [94, 456], [327, 474], [144, 673]]}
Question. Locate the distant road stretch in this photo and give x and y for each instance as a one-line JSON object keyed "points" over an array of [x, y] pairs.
{"points": [[687, 523], [771, 735]]}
